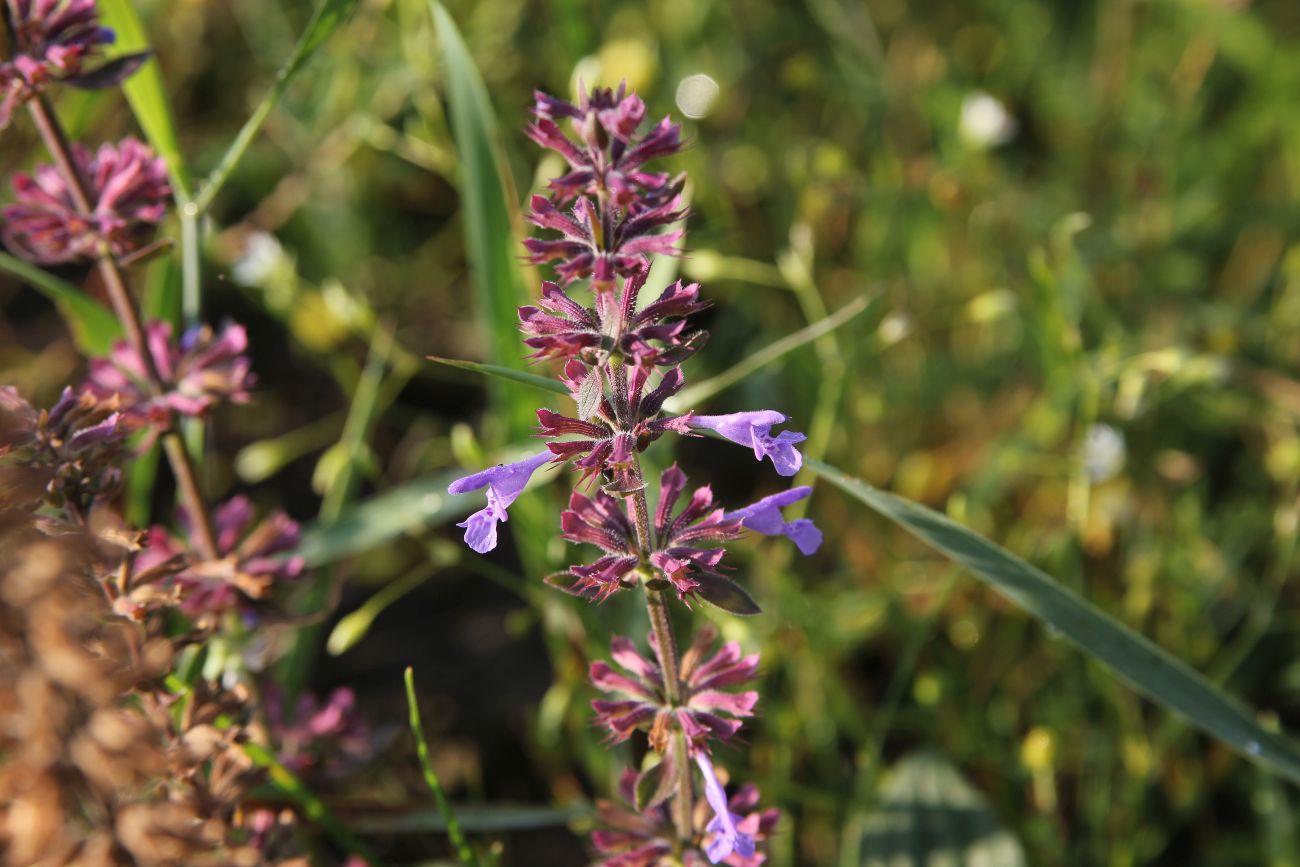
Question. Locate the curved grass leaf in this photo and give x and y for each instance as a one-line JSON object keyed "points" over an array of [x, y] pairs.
{"points": [[489, 233], [93, 326], [1149, 669], [145, 92], [329, 15]]}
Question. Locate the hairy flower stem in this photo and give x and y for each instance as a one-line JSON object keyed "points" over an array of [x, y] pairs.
{"points": [[56, 142], [662, 625]]}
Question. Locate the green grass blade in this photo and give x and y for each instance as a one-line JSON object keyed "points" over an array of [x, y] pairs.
{"points": [[311, 806], [458, 841], [1150, 670], [329, 15], [490, 819], [145, 92], [490, 240], [697, 394], [403, 510], [554, 386], [93, 326]]}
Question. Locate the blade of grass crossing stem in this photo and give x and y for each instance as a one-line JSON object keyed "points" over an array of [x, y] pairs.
{"points": [[463, 852], [1149, 669], [520, 376], [146, 94], [312, 807], [490, 239], [329, 15], [93, 326], [701, 392]]}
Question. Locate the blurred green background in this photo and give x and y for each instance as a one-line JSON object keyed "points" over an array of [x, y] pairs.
{"points": [[1076, 223]]}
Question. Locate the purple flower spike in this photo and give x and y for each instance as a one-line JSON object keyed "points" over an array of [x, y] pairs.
{"points": [[753, 429], [128, 191], [505, 482], [765, 517], [727, 837]]}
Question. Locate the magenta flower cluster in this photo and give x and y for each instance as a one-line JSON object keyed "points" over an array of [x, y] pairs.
{"points": [[51, 41], [622, 348], [103, 206]]}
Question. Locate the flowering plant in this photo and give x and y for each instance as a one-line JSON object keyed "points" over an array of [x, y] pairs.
{"points": [[623, 360]]}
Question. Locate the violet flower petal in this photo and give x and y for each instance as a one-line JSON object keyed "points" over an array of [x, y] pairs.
{"points": [[727, 838], [753, 429], [764, 517], [505, 482]]}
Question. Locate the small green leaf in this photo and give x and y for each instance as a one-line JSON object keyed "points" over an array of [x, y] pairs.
{"points": [[1146, 667], [93, 326], [589, 394], [727, 595], [656, 783]]}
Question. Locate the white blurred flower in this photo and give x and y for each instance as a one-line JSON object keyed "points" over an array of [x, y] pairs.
{"points": [[260, 261], [1103, 453], [985, 121], [696, 95]]}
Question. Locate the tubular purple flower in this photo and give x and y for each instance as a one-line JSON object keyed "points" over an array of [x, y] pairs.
{"points": [[505, 482], [764, 517], [753, 429], [128, 192], [728, 838], [51, 41]]}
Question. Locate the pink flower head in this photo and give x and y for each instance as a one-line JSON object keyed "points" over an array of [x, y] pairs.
{"points": [[252, 559], [754, 429], [646, 837], [128, 191], [559, 327], [690, 570], [707, 709], [606, 441], [504, 483], [51, 41], [611, 150], [204, 368], [599, 244], [764, 517]]}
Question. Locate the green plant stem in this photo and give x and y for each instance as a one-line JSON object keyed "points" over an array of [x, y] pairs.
{"points": [[662, 624], [56, 142], [463, 851]]}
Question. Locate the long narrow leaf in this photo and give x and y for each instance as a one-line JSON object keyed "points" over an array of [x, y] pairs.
{"points": [[93, 327], [329, 15], [490, 241], [1149, 669], [145, 92], [531, 379]]}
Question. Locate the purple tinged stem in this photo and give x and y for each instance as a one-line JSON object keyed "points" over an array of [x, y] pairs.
{"points": [[56, 142]]}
